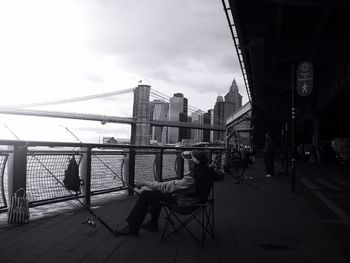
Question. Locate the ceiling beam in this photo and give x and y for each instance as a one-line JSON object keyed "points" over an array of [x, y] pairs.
{"points": [[321, 25], [279, 23], [318, 3]]}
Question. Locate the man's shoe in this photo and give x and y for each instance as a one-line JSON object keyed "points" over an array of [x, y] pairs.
{"points": [[126, 231], [150, 226]]}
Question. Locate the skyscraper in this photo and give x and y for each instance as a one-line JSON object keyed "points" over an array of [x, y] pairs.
{"points": [[207, 121], [219, 117], [225, 108], [196, 134], [178, 108], [234, 97], [211, 114], [159, 111]]}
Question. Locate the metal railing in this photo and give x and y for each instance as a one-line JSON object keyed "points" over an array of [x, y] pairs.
{"points": [[104, 168], [3, 188], [105, 178], [41, 186]]}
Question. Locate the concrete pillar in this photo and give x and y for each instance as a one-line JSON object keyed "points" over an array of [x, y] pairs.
{"points": [[17, 169], [141, 113]]}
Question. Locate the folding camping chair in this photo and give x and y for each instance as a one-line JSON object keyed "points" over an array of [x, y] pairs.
{"points": [[202, 213]]}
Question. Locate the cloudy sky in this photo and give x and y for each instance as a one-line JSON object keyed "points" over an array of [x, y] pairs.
{"points": [[59, 49]]}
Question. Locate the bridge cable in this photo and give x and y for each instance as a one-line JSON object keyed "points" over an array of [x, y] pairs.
{"points": [[174, 103], [155, 92], [76, 99], [190, 108], [202, 113]]}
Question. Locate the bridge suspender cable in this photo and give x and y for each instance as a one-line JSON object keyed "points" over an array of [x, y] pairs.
{"points": [[219, 120], [160, 95], [166, 97]]}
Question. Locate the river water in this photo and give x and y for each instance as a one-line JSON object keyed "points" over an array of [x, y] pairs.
{"points": [[107, 170]]}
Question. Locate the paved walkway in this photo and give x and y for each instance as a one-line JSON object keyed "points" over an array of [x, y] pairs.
{"points": [[266, 225]]}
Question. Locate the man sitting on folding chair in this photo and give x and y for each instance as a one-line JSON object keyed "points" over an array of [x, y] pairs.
{"points": [[187, 191]]}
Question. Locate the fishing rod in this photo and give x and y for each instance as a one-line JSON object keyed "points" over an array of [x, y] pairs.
{"points": [[88, 221], [121, 179], [239, 180], [98, 158]]}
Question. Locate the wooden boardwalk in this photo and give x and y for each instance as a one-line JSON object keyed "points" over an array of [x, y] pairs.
{"points": [[266, 225]]}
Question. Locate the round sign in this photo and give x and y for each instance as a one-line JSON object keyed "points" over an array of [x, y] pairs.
{"points": [[304, 66], [304, 79]]}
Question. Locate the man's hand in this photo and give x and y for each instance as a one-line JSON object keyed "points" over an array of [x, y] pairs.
{"points": [[139, 184]]}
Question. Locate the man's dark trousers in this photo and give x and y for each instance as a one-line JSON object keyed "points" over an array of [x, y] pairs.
{"points": [[149, 201], [269, 164]]}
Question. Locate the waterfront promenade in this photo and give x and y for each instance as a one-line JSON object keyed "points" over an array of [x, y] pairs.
{"points": [[266, 225]]}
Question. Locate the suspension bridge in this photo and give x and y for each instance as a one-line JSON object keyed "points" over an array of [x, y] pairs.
{"points": [[140, 120]]}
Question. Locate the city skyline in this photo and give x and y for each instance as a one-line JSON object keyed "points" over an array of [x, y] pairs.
{"points": [[186, 114], [227, 97], [177, 108], [181, 46]]}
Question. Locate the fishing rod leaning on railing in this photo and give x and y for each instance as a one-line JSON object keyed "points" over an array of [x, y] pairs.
{"points": [[88, 221], [104, 163], [107, 166]]}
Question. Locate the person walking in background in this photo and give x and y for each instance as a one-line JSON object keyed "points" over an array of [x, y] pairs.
{"points": [[186, 191], [269, 155]]}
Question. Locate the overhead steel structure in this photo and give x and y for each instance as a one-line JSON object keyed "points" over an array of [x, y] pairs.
{"points": [[272, 39]]}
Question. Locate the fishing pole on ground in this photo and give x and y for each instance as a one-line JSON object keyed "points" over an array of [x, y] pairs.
{"points": [[88, 221], [238, 178]]}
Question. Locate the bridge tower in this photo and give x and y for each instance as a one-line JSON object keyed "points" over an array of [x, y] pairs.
{"points": [[140, 132]]}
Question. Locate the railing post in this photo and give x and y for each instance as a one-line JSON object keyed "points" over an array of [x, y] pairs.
{"points": [[130, 170], [133, 134], [85, 175], [17, 169], [179, 165], [159, 166]]}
